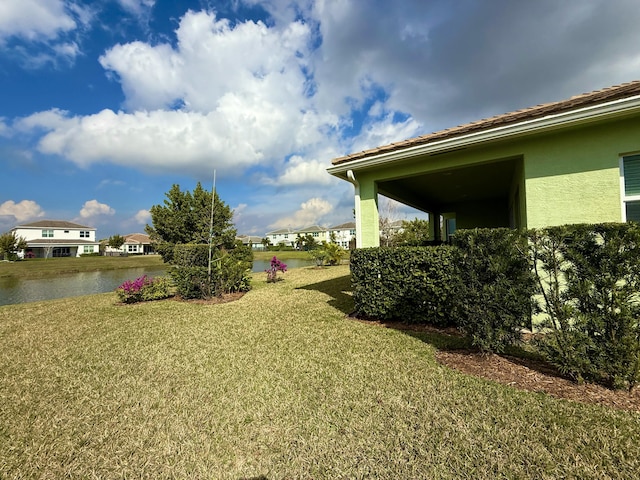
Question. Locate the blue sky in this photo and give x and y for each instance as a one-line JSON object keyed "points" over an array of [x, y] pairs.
{"points": [[105, 104]]}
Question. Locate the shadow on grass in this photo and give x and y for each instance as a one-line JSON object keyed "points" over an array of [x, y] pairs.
{"points": [[337, 289]]}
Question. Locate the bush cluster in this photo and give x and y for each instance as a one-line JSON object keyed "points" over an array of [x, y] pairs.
{"points": [[230, 270], [144, 289], [495, 286], [588, 280], [412, 284], [583, 279]]}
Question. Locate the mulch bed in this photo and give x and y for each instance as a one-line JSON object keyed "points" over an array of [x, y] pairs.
{"points": [[523, 373]]}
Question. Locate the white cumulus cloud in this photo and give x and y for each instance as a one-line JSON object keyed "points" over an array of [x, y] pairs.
{"points": [[35, 19], [93, 208], [310, 213], [142, 217], [21, 211]]}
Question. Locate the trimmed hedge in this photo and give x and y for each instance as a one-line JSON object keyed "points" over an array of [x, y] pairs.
{"points": [[411, 284], [588, 285], [495, 286]]}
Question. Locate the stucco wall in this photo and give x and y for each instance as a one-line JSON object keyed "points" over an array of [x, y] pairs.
{"points": [[570, 176], [574, 177]]}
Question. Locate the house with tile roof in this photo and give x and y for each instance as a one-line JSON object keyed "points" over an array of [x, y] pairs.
{"points": [[343, 234], [252, 241], [282, 236], [57, 238], [134, 244], [572, 161]]}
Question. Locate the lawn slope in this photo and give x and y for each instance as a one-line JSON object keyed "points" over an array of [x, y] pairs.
{"points": [[279, 384]]}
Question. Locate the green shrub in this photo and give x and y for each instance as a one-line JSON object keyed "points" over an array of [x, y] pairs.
{"points": [[588, 283], [495, 286], [411, 284], [230, 270], [144, 289], [192, 255], [191, 282]]}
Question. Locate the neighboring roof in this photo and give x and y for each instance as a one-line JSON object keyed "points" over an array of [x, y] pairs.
{"points": [[344, 226], [312, 228], [53, 224], [245, 239], [139, 238], [280, 231], [603, 96]]}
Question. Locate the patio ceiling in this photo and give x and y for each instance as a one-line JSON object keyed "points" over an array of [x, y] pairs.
{"points": [[439, 191]]}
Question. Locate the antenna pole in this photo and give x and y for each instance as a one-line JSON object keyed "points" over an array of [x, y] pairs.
{"points": [[213, 202]]}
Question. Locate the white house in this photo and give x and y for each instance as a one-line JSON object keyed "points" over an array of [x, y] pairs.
{"points": [[319, 234], [57, 238], [252, 241], [284, 236], [343, 234], [134, 244]]}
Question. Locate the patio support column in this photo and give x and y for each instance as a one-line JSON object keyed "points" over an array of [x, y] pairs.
{"points": [[367, 228], [435, 231], [357, 210]]}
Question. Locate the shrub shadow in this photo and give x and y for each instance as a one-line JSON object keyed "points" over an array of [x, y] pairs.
{"points": [[337, 289]]}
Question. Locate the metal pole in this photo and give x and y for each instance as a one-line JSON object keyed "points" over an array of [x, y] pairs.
{"points": [[213, 201]]}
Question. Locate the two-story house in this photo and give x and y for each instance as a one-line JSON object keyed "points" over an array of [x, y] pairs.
{"points": [[57, 238]]}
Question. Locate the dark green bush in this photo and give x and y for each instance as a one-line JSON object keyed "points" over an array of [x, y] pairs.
{"points": [[230, 270], [588, 283], [192, 255], [411, 284], [495, 286]]}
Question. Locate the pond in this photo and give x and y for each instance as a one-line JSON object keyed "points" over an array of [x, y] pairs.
{"points": [[14, 290]]}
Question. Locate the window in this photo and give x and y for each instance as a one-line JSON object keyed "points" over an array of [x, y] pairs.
{"points": [[84, 234], [316, 234], [88, 249], [286, 235], [132, 248], [47, 233], [631, 188], [352, 233]]}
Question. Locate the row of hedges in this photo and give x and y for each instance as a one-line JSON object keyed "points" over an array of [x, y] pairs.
{"points": [[582, 279]]}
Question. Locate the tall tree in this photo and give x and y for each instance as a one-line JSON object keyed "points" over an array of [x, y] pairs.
{"points": [[116, 241], [10, 244], [185, 218], [413, 233]]}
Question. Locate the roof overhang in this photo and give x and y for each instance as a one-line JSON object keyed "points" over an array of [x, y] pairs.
{"points": [[604, 111]]}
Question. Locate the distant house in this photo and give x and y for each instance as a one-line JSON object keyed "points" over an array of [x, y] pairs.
{"points": [[251, 241], [284, 236], [134, 244], [572, 161], [57, 238], [343, 234], [319, 234]]}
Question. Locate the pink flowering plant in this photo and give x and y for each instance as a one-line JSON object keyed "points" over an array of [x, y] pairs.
{"points": [[275, 267], [143, 289]]}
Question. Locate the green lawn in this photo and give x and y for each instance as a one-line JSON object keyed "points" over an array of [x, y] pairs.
{"points": [[51, 267], [279, 384]]}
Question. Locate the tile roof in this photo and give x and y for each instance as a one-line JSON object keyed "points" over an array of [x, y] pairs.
{"points": [[344, 226], [139, 238], [53, 224], [597, 97]]}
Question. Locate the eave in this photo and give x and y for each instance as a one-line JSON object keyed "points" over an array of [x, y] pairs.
{"points": [[594, 113]]}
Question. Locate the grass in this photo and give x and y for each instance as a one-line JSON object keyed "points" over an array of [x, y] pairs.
{"points": [[51, 267], [279, 384]]}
